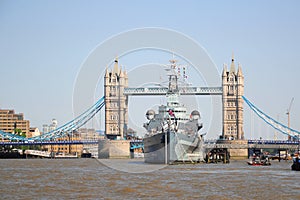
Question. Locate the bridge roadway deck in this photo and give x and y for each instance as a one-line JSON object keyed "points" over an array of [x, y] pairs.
{"points": [[261, 144], [252, 146], [258, 144], [66, 142]]}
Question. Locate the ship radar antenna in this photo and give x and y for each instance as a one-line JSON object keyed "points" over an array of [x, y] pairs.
{"points": [[173, 61]]}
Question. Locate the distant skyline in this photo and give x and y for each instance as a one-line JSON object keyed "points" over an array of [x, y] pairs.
{"points": [[45, 43]]}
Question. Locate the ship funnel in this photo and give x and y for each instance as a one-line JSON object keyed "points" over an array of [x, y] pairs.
{"points": [[195, 115], [150, 114]]}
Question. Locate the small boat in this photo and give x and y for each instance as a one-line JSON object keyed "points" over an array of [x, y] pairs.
{"points": [[296, 164], [86, 154], [259, 161], [296, 160]]}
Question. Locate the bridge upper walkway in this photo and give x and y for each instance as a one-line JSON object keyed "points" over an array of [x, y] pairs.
{"points": [[183, 91]]}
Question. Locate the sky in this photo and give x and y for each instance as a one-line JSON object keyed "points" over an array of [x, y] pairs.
{"points": [[44, 45]]}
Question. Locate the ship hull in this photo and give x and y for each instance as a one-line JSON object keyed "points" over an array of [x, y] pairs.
{"points": [[171, 147]]}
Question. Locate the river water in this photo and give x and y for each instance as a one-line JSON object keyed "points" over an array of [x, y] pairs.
{"points": [[132, 179]]}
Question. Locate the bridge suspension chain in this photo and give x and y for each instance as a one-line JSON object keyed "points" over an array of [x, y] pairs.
{"points": [[74, 124], [65, 129], [272, 122], [11, 136]]}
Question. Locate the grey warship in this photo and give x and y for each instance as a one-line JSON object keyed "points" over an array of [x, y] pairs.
{"points": [[172, 133]]}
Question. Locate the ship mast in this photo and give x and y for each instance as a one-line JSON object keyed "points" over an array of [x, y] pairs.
{"points": [[173, 78]]}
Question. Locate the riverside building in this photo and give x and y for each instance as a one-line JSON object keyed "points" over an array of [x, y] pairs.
{"points": [[11, 121]]}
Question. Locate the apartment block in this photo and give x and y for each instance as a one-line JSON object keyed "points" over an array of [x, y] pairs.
{"points": [[9, 121]]}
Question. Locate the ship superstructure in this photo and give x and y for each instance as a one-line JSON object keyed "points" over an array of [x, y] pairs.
{"points": [[173, 133]]}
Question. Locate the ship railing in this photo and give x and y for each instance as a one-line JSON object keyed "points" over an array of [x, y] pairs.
{"points": [[210, 141]]}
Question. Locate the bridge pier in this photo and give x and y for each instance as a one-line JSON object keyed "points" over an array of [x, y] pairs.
{"points": [[217, 155], [113, 149], [236, 153]]}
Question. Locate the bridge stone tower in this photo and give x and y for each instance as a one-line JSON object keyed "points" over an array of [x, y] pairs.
{"points": [[116, 103], [233, 90]]}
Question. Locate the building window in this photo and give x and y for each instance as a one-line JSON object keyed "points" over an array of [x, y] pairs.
{"points": [[229, 130]]}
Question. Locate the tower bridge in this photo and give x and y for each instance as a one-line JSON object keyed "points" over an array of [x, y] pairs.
{"points": [[115, 101], [117, 93]]}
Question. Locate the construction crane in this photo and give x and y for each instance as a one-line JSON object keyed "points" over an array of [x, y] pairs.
{"points": [[288, 114]]}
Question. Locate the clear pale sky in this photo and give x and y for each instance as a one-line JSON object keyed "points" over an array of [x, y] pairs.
{"points": [[44, 43]]}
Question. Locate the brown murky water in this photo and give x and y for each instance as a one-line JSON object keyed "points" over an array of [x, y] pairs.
{"points": [[90, 179]]}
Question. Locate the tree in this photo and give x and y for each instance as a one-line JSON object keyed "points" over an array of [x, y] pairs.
{"points": [[19, 132]]}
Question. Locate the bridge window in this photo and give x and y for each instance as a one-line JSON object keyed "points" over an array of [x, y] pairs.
{"points": [[114, 117], [113, 80], [230, 90], [231, 130], [113, 88], [228, 130]]}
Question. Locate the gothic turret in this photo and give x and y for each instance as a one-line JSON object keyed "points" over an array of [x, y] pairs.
{"points": [[224, 73]]}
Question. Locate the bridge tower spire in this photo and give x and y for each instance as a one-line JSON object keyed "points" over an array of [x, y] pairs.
{"points": [[233, 90], [116, 103], [232, 66]]}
